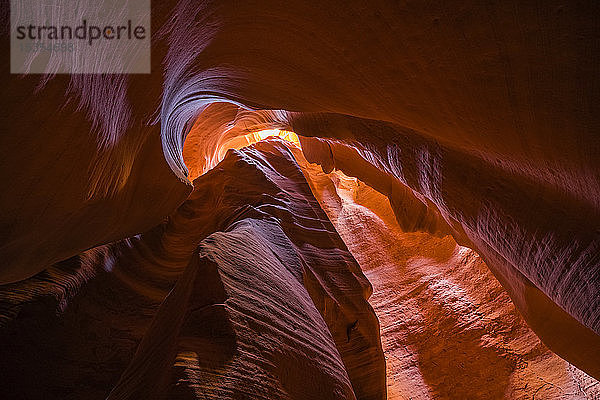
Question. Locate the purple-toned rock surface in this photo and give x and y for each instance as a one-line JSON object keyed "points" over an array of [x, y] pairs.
{"points": [[262, 299]]}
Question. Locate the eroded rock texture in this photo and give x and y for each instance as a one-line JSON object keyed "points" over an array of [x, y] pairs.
{"points": [[271, 305], [518, 263], [449, 330], [476, 119]]}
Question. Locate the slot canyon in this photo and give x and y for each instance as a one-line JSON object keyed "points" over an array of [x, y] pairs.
{"points": [[310, 201]]}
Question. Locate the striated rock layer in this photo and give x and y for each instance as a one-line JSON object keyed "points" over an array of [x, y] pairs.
{"points": [[449, 330], [262, 299], [477, 118], [482, 217]]}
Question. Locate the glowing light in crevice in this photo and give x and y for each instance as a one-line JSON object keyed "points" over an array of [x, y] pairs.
{"points": [[285, 135], [202, 153]]}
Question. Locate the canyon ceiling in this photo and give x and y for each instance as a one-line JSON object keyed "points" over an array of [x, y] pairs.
{"points": [[431, 213]]}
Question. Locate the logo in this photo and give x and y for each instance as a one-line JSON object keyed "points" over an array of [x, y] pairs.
{"points": [[91, 37]]}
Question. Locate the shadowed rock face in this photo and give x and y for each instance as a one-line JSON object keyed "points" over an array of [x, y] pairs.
{"points": [[479, 120], [268, 302]]}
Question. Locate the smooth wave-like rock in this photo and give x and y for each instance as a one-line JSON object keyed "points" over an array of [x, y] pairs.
{"points": [[441, 310], [540, 268], [482, 119], [262, 299]]}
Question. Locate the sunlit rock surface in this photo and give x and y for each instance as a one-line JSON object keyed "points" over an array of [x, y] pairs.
{"points": [[475, 119], [541, 265], [449, 330]]}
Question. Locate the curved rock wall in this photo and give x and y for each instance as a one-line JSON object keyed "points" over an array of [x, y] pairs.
{"points": [[539, 267], [440, 308], [487, 112], [262, 299]]}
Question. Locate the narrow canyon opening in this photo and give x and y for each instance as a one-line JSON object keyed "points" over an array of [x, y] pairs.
{"points": [[286, 245], [302, 201], [440, 309]]}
